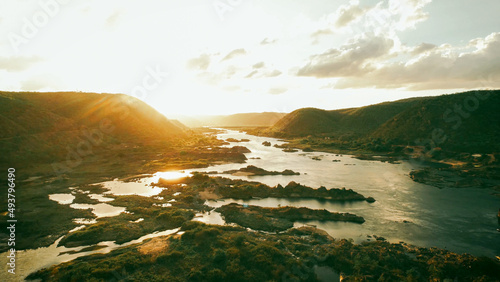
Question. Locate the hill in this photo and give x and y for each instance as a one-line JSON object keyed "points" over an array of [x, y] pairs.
{"points": [[468, 121], [264, 119], [41, 126]]}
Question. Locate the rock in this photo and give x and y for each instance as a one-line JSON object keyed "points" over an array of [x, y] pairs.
{"points": [[240, 149], [370, 200], [266, 143]]}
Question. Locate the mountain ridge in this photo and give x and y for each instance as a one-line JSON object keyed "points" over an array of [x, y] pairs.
{"points": [[262, 119]]}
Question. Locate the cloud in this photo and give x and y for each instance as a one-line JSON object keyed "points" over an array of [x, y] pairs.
{"points": [[267, 41], [258, 65], [199, 63], [423, 47], [277, 90], [441, 68], [232, 88], [234, 53], [346, 14], [251, 74], [262, 73], [395, 15], [39, 82], [113, 18], [350, 59], [274, 73], [320, 33], [17, 63]]}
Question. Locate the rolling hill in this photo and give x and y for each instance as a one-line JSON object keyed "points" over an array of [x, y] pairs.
{"points": [[464, 121], [264, 119], [41, 126]]}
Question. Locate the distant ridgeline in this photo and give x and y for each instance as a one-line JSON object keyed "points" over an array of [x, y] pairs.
{"points": [[467, 122], [43, 127]]}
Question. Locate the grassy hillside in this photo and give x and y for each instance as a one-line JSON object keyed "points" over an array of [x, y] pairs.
{"points": [[351, 122], [468, 121], [41, 126]]}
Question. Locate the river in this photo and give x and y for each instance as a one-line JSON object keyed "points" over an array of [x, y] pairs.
{"points": [[460, 220]]}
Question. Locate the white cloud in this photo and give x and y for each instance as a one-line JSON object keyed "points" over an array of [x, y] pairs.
{"points": [[347, 14], [320, 33], [351, 59], [443, 67], [39, 82], [277, 90], [251, 74], [267, 41], [423, 47], [18, 63], [113, 19], [201, 62], [258, 65], [234, 53]]}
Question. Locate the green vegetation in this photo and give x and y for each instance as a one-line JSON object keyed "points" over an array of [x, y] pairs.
{"points": [[223, 253], [279, 219]]}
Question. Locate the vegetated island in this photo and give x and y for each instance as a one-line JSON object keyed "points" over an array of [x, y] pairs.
{"points": [[219, 187], [227, 253], [252, 170], [279, 219], [179, 202]]}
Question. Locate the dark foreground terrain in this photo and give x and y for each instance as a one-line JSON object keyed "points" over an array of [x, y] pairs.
{"points": [[223, 253]]}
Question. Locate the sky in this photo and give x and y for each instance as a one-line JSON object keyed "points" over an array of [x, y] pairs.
{"points": [[197, 57]]}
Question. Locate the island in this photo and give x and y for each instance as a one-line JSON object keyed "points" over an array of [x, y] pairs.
{"points": [[252, 170], [279, 219]]}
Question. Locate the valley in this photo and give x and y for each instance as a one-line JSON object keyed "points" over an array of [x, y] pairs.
{"points": [[203, 205]]}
